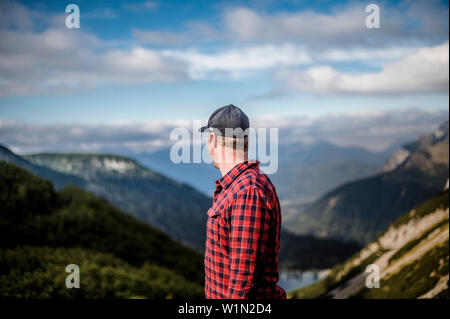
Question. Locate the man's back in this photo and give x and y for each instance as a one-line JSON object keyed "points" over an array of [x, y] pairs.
{"points": [[243, 236]]}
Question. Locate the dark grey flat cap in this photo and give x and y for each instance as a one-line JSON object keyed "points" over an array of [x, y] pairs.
{"points": [[230, 117]]}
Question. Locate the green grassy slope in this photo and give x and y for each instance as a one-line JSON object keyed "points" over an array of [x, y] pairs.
{"points": [[39, 272], [413, 280], [42, 230], [412, 268]]}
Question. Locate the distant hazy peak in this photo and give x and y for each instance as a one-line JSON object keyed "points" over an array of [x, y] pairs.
{"points": [[442, 133], [402, 154]]}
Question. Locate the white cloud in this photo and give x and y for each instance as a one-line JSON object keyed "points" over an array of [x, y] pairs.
{"points": [[112, 137], [371, 129], [237, 62], [247, 25], [234, 61], [140, 65], [58, 60], [423, 71], [369, 55], [420, 22]]}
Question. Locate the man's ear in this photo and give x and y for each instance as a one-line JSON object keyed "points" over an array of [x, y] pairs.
{"points": [[211, 145], [212, 139]]}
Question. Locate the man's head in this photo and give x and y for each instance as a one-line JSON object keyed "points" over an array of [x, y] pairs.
{"points": [[228, 135], [227, 150]]}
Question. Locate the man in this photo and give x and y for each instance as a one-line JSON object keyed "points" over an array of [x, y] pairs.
{"points": [[244, 222]]}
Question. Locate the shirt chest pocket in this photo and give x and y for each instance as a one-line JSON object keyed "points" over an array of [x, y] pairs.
{"points": [[216, 227]]}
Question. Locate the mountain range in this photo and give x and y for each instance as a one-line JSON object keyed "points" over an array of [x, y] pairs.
{"points": [[305, 171], [46, 227], [171, 206], [359, 210], [121, 180]]}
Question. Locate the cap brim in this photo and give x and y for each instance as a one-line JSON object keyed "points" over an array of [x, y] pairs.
{"points": [[204, 129]]}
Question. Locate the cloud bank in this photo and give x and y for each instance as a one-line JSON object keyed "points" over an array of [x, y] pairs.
{"points": [[426, 70], [371, 129]]}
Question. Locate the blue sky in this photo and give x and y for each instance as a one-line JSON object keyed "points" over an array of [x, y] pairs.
{"points": [[160, 61]]}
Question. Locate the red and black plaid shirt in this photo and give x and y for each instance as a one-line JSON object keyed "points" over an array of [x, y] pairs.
{"points": [[243, 237]]}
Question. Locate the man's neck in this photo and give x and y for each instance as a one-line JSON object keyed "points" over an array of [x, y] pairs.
{"points": [[226, 167]]}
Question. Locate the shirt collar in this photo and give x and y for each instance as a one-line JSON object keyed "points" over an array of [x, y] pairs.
{"points": [[226, 180]]}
